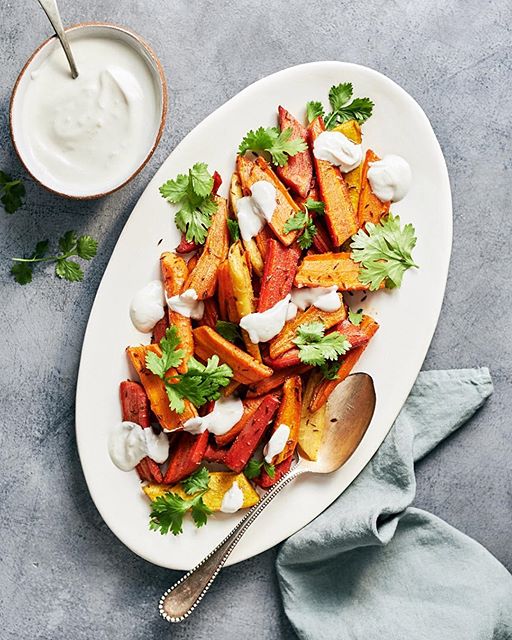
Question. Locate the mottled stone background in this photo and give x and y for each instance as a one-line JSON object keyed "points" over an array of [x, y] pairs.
{"points": [[63, 575]]}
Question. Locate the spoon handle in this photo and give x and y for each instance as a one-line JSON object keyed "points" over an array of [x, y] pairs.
{"points": [[52, 11], [182, 598]]}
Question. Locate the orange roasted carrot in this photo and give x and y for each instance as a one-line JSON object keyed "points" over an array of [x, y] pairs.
{"points": [[370, 208], [297, 173], [174, 274], [225, 295], [250, 407], [159, 329], [327, 269], [339, 212], [211, 313], [251, 171], [289, 414], [246, 369], [276, 380], [155, 390], [322, 392], [284, 340], [203, 278], [278, 274]]}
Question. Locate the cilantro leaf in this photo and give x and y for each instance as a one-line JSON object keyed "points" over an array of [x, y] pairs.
{"points": [[22, 272], [13, 192], [197, 481], [167, 513], [306, 239], [200, 512], [67, 242], [234, 230], [41, 249], [171, 356], [330, 370], [313, 110], [176, 402], [355, 317], [302, 220], [340, 94], [69, 270], [253, 468], [277, 143], [384, 251], [201, 383], [194, 193], [295, 222], [315, 348], [228, 330], [270, 469], [86, 247], [315, 205]]}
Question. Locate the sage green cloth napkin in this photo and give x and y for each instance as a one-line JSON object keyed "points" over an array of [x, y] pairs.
{"points": [[373, 567]]}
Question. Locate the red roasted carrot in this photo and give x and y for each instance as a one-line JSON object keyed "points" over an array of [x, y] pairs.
{"points": [[297, 173], [186, 456], [211, 313], [275, 380], [279, 272], [288, 359], [186, 246], [213, 453], [265, 481], [321, 240], [356, 335], [249, 438], [250, 408], [159, 329], [217, 181]]}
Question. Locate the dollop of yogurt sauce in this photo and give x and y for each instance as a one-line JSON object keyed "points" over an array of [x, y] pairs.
{"points": [[147, 306], [390, 178], [277, 442], [323, 298], [226, 413], [187, 304], [89, 134], [337, 149], [257, 209], [233, 499], [129, 443], [265, 325]]}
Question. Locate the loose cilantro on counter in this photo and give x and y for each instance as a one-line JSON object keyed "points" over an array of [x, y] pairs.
{"points": [[13, 192], [276, 143], [360, 109]]}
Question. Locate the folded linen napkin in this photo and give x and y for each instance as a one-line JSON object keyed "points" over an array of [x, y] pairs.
{"points": [[373, 567]]}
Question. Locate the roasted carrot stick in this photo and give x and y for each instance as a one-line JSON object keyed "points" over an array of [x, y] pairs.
{"points": [[297, 173], [326, 387], [186, 456], [211, 313], [275, 381], [339, 213], [352, 130], [250, 436], [327, 269], [250, 407], [235, 193], [246, 369], [225, 295], [203, 278], [370, 209], [289, 414], [159, 329], [280, 267], [265, 481]]}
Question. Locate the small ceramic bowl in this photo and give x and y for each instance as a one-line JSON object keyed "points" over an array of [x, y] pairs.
{"points": [[19, 135]]}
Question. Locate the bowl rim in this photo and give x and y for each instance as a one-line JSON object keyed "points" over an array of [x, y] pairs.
{"points": [[163, 116]]}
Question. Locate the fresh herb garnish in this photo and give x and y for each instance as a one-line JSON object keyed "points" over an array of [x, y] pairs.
{"points": [[253, 467], [234, 230], [315, 348], [276, 143], [199, 384], [13, 192], [355, 317], [303, 221], [193, 192], [228, 330], [330, 370], [70, 245], [360, 109], [384, 251], [167, 511]]}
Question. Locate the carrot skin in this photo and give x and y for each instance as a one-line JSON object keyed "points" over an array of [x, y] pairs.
{"points": [[297, 173], [279, 272], [186, 457]]}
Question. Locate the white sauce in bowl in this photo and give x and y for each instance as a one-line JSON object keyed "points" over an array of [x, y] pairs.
{"points": [[87, 136]]}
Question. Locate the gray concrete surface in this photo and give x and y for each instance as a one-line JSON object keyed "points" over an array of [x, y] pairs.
{"points": [[63, 575]]}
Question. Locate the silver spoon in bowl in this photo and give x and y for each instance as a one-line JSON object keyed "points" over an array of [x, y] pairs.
{"points": [[349, 412], [52, 11]]}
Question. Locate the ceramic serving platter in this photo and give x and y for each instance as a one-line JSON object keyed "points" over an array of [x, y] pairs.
{"points": [[407, 316]]}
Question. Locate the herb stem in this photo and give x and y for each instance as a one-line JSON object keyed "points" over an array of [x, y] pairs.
{"points": [[64, 256]]}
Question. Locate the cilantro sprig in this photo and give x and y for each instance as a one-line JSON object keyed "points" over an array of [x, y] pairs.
{"points": [[359, 109], [13, 192], [234, 230], [276, 143], [228, 330], [355, 317], [70, 245], [193, 192], [384, 251], [253, 467], [302, 220], [167, 511], [316, 348], [199, 384]]}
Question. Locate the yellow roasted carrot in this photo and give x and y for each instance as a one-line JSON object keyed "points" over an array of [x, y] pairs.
{"points": [[352, 130], [225, 295], [312, 423], [327, 269], [289, 414], [235, 193]]}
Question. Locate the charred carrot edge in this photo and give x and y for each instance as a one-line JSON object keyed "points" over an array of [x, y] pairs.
{"points": [[250, 408], [186, 246], [327, 269], [143, 471], [225, 295], [174, 274], [214, 454], [155, 390], [326, 387], [251, 171], [275, 381], [278, 274], [240, 276], [217, 181], [262, 241], [297, 173], [339, 213], [191, 264], [284, 340], [154, 470], [246, 369], [321, 239], [186, 456], [249, 438], [370, 208], [203, 277], [211, 313], [289, 414], [265, 481]]}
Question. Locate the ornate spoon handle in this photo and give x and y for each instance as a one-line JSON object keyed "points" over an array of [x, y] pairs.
{"points": [[182, 598]]}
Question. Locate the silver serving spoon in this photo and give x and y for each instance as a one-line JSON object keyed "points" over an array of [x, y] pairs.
{"points": [[349, 412], [52, 11]]}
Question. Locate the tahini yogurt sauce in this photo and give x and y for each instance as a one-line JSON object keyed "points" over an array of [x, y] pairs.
{"points": [[88, 135]]}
